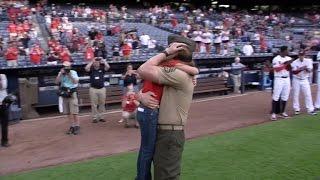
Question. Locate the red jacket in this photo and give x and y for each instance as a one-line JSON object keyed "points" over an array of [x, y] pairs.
{"points": [[89, 54], [130, 106], [12, 54], [35, 55]]}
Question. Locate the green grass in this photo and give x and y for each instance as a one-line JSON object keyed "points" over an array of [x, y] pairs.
{"points": [[281, 150]]}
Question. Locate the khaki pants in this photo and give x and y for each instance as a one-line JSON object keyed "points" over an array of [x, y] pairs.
{"points": [[98, 101], [236, 82], [71, 105], [168, 154]]}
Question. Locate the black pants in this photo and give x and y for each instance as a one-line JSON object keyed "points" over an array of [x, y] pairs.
{"points": [[4, 127]]}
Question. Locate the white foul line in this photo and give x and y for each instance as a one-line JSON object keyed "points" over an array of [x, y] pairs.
{"points": [[119, 111]]}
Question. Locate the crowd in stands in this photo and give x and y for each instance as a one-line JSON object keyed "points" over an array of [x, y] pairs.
{"points": [[21, 37], [107, 32]]}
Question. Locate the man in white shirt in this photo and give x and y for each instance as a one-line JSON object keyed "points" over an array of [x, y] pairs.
{"points": [[317, 103], [3, 87], [247, 49], [152, 44], [144, 39], [281, 86], [301, 69]]}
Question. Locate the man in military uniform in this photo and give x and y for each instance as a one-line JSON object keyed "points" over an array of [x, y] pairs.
{"points": [[174, 106]]}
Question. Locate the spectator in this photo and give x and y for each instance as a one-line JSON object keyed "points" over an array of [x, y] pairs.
{"points": [[115, 53], [97, 69], [25, 42], [135, 44], [236, 74], [36, 54], [89, 53], [207, 40], [12, 29], [68, 80], [152, 44], [256, 38], [53, 58], [247, 49], [65, 55], [11, 55], [3, 87], [129, 107], [100, 50], [126, 51], [92, 34], [217, 42], [197, 38], [144, 39], [130, 77]]}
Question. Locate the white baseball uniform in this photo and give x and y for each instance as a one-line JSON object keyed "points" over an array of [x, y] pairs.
{"points": [[301, 81], [281, 86], [317, 103]]}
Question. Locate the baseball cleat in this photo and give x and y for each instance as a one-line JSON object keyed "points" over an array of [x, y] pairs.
{"points": [[312, 113], [284, 115], [296, 112], [316, 109], [70, 131], [76, 130], [273, 117], [102, 120]]}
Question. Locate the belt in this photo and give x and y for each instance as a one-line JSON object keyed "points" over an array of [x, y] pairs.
{"points": [[171, 127], [300, 78], [284, 77], [97, 87]]}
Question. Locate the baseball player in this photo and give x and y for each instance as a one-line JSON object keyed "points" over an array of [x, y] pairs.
{"points": [[301, 69], [282, 85], [317, 103]]}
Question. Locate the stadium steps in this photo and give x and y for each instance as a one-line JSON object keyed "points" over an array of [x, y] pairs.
{"points": [[43, 34]]}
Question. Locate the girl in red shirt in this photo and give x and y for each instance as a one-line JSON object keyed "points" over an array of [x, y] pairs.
{"points": [[65, 55], [129, 106], [126, 51], [36, 54]]}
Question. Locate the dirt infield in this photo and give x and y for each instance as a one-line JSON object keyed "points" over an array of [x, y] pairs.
{"points": [[42, 143]]}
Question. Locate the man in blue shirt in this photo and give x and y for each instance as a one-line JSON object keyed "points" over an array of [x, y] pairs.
{"points": [[68, 80]]}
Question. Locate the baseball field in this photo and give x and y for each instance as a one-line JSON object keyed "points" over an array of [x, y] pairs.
{"points": [[225, 141], [279, 150]]}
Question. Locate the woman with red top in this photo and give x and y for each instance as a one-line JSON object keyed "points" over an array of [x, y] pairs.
{"points": [[12, 28], [20, 29], [11, 55], [89, 53], [26, 26], [148, 118], [65, 54], [126, 51], [36, 54]]}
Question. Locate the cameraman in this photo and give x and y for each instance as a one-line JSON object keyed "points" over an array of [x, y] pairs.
{"points": [[97, 69], [4, 117], [68, 80]]}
